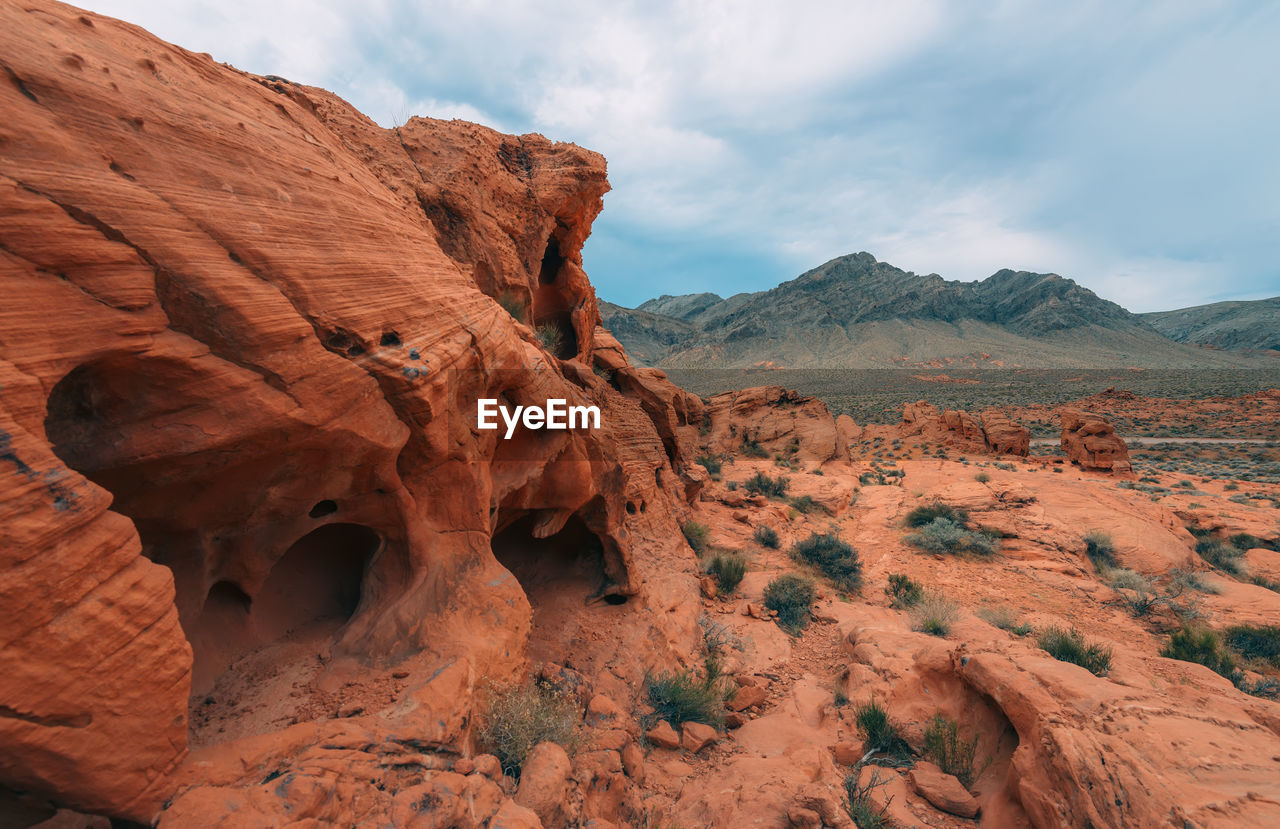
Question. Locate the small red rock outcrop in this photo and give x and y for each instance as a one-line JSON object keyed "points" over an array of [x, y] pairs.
{"points": [[1091, 442], [774, 420], [992, 431]]}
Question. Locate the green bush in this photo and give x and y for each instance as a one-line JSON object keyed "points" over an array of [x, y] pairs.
{"points": [[1220, 554], [518, 718], [766, 537], [762, 484], [944, 746], [711, 463], [792, 597], [920, 516], [697, 535], [752, 448], [683, 696], [879, 730], [934, 614], [835, 558], [1071, 646], [858, 804], [982, 477], [1245, 542], [902, 591], [728, 572], [1255, 642], [551, 337], [805, 504], [1100, 550], [1201, 645], [942, 535]]}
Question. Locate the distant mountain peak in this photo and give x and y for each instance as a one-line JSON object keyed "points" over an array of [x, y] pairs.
{"points": [[857, 311]]}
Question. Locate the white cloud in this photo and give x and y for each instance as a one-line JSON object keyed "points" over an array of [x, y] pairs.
{"points": [[1118, 143]]}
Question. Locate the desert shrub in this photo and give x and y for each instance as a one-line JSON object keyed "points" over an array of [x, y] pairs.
{"points": [[1201, 645], [1191, 580], [762, 484], [752, 448], [512, 304], [1244, 542], [1005, 618], [835, 558], [927, 514], [942, 535], [805, 504], [766, 537], [982, 477], [1100, 550], [902, 591], [728, 571], [950, 752], [684, 696], [1255, 642], [717, 637], [551, 337], [698, 536], [878, 729], [1263, 581], [711, 463], [1220, 554], [857, 800], [1123, 579], [1071, 646], [519, 717], [792, 597], [934, 614]]}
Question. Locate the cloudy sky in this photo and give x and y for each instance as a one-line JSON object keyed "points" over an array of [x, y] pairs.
{"points": [[1131, 146]]}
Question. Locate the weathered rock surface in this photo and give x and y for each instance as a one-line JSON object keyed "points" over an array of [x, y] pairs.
{"points": [[246, 330], [992, 431], [942, 790], [1092, 443], [774, 419]]}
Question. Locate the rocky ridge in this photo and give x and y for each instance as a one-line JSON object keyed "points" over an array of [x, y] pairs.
{"points": [[856, 312]]}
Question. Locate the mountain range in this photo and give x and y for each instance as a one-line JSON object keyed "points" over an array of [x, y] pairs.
{"points": [[857, 312]]}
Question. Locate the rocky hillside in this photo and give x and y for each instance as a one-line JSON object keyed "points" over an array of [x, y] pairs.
{"points": [[856, 312], [1229, 325]]}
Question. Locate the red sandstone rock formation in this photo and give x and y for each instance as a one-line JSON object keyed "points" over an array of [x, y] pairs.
{"points": [[244, 333], [774, 419], [1005, 436], [1092, 443], [991, 431]]}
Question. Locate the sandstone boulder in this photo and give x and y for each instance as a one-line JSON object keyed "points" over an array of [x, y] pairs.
{"points": [[1090, 442], [942, 790], [543, 779]]}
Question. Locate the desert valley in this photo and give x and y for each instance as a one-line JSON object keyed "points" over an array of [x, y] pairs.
{"points": [[868, 549]]}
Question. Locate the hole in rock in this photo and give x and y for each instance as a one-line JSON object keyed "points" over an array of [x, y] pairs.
{"points": [[552, 262], [631, 507], [310, 592], [323, 508], [558, 574], [389, 338]]}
